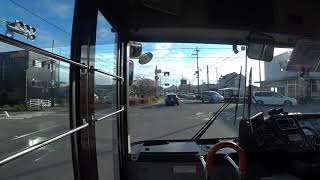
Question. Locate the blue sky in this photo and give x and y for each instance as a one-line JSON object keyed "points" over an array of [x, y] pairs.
{"points": [[173, 57]]}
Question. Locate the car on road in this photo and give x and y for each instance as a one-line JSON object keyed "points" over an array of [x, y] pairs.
{"points": [[211, 96], [272, 98], [191, 96], [172, 99]]}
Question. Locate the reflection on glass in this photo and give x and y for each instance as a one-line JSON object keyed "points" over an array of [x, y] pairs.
{"points": [[50, 162], [105, 46], [34, 98], [105, 95], [107, 148], [106, 101]]}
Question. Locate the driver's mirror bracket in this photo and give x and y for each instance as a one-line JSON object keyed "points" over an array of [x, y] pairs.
{"points": [[131, 72]]}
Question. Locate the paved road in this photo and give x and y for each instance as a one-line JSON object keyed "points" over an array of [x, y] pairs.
{"points": [[23, 129], [156, 121], [182, 122]]}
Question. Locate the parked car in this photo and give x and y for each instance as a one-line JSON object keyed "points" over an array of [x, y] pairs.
{"points": [[172, 99], [191, 96], [211, 96], [272, 98]]}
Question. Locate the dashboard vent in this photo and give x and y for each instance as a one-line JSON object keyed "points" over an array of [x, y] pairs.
{"points": [[286, 124]]}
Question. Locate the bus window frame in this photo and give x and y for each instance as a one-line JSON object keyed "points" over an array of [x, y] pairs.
{"points": [[81, 102]]}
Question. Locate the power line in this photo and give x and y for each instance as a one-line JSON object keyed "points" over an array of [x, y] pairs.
{"points": [[221, 61], [36, 15]]}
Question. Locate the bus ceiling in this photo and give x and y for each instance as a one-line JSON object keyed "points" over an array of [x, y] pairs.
{"points": [[212, 21]]}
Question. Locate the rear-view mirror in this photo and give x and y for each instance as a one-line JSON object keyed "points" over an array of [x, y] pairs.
{"points": [[263, 52], [260, 47], [135, 50]]}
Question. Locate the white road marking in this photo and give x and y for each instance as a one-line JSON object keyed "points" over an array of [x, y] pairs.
{"points": [[12, 118]]}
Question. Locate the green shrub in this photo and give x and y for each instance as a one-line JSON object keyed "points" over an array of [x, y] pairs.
{"points": [[22, 107]]}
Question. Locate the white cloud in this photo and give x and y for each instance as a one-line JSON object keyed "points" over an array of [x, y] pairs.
{"points": [[63, 10], [161, 50]]}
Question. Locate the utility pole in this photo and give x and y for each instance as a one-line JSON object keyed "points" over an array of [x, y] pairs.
{"points": [[217, 78], [197, 72], [52, 80], [156, 78]]}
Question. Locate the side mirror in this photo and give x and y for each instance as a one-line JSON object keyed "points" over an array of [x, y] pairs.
{"points": [[131, 72], [145, 58], [260, 47], [135, 50]]}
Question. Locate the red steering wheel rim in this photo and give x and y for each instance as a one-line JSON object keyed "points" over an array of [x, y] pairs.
{"points": [[236, 147]]}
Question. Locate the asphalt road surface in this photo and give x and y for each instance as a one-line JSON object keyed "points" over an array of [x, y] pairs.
{"points": [[158, 121], [148, 122], [54, 161]]}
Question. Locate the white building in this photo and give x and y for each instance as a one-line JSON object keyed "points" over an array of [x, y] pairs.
{"points": [[290, 83]]}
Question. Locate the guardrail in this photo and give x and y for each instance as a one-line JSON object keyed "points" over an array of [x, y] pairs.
{"points": [[39, 103]]}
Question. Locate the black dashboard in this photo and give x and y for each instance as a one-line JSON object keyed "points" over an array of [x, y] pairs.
{"points": [[281, 132], [285, 145], [282, 142]]}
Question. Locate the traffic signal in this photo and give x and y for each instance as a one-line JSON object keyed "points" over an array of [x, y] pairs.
{"points": [[166, 73], [21, 28]]}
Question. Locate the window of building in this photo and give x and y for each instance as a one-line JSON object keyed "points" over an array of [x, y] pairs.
{"points": [[315, 85]]}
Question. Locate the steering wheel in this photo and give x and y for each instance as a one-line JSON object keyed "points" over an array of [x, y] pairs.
{"points": [[236, 147]]}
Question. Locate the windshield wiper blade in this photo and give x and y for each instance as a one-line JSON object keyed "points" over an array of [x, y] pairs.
{"points": [[238, 97], [206, 126]]}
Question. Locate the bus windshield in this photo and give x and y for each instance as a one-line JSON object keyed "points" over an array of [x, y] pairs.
{"points": [[204, 76]]}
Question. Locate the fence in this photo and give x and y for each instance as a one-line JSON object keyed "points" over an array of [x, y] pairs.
{"points": [[39, 103]]}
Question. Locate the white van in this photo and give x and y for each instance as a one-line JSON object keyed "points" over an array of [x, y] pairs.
{"points": [[272, 98]]}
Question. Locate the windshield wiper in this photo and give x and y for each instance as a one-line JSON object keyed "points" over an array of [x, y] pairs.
{"points": [[206, 126]]}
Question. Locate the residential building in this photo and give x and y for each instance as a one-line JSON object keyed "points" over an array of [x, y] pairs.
{"points": [[27, 75], [290, 83]]}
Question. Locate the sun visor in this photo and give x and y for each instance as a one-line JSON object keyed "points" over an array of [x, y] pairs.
{"points": [[305, 57]]}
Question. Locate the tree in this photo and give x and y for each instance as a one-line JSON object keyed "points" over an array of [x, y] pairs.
{"points": [[143, 87]]}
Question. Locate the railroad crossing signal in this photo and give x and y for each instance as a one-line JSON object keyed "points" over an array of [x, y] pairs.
{"points": [[20, 28]]}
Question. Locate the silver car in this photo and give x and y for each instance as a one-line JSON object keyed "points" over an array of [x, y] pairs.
{"points": [[272, 98], [211, 96]]}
